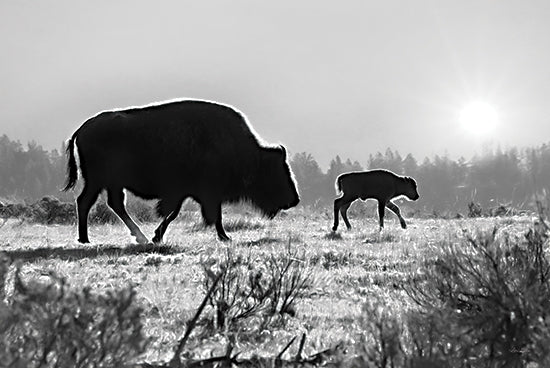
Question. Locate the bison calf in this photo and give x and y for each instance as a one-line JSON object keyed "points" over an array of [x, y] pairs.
{"points": [[381, 185], [172, 151]]}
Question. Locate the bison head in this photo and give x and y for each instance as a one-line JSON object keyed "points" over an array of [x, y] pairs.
{"points": [[275, 187]]}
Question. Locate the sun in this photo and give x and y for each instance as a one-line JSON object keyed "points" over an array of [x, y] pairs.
{"points": [[479, 118]]}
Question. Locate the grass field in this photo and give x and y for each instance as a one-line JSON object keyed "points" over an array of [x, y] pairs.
{"points": [[348, 270]]}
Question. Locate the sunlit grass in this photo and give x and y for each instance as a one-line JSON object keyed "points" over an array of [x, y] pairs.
{"points": [[348, 268]]}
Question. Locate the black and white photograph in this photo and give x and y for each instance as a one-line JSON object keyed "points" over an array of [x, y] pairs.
{"points": [[303, 183]]}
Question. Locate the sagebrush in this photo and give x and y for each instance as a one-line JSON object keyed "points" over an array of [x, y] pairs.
{"points": [[48, 324], [483, 301], [256, 287]]}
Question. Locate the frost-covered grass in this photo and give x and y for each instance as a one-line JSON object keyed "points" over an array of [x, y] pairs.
{"points": [[348, 269]]}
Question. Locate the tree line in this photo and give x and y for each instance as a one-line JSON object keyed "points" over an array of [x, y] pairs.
{"points": [[510, 177], [30, 172]]}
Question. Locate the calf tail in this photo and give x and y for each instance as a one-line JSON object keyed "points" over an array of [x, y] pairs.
{"points": [[72, 171]]}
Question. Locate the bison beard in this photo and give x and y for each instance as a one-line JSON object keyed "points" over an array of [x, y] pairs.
{"points": [[173, 151]]}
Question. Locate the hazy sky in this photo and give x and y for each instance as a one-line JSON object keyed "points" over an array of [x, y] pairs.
{"points": [[326, 77]]}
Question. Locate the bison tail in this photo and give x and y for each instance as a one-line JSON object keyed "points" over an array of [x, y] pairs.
{"points": [[72, 171], [338, 185]]}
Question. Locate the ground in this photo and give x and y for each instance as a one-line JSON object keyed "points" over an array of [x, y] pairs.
{"points": [[348, 269]]}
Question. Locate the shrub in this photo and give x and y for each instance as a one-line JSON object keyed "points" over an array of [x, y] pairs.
{"points": [[487, 301], [101, 213], [13, 210], [502, 210], [383, 347], [49, 210], [139, 209], [253, 287], [474, 210], [483, 302], [47, 324]]}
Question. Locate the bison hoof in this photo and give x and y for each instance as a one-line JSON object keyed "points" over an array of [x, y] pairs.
{"points": [[141, 239], [157, 240], [334, 228], [83, 240], [403, 225]]}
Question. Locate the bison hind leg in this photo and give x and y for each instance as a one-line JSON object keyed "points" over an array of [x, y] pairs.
{"points": [[212, 214], [84, 202]]}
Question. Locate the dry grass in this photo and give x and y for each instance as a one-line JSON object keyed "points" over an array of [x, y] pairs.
{"points": [[348, 268]]}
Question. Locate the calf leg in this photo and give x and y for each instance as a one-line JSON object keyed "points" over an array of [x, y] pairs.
{"points": [[338, 204], [395, 210], [381, 206], [212, 214], [115, 200], [84, 202], [161, 229]]}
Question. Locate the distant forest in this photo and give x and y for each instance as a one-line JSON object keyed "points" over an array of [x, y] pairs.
{"points": [[511, 178]]}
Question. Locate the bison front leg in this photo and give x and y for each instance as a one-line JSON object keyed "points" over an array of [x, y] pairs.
{"points": [[395, 210], [172, 214], [212, 214], [161, 229], [115, 200]]}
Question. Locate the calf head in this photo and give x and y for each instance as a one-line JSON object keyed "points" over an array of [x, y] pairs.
{"points": [[411, 190]]}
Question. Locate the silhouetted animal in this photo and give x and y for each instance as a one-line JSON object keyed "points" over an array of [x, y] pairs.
{"points": [[381, 185], [172, 151]]}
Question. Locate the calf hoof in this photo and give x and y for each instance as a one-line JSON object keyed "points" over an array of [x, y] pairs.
{"points": [[334, 228], [224, 237], [403, 225], [83, 240]]}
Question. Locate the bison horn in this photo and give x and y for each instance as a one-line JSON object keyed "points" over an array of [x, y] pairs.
{"points": [[283, 149]]}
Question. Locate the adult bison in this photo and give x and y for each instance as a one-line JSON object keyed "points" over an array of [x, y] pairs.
{"points": [[381, 185], [175, 150]]}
